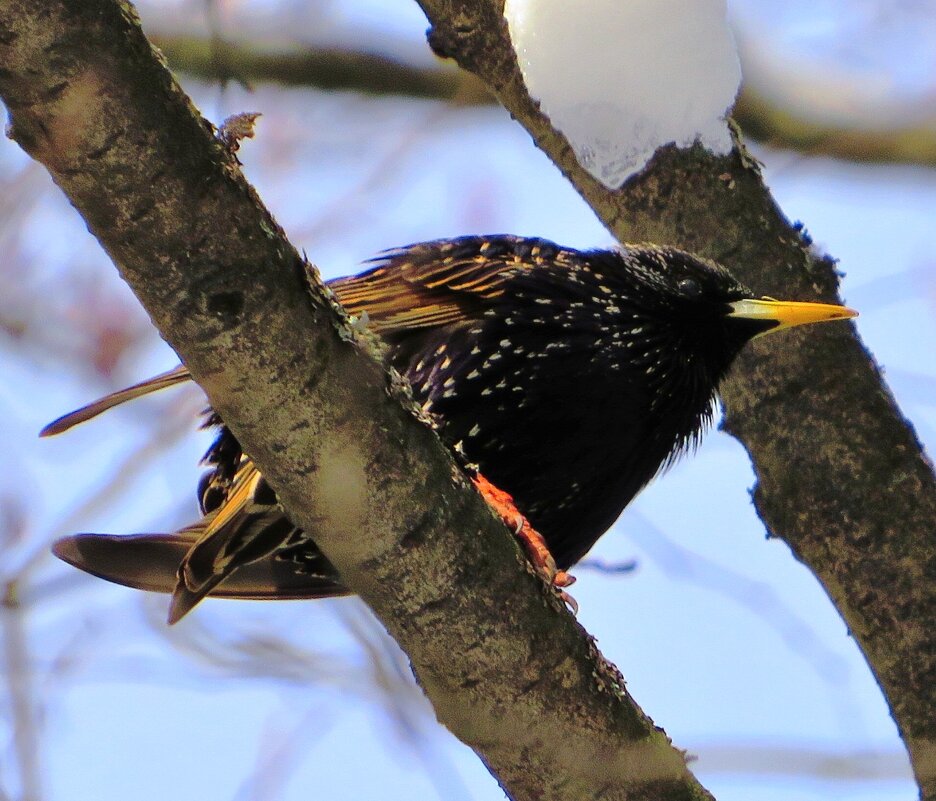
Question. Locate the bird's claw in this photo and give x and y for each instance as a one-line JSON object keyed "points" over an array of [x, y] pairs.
{"points": [[537, 551], [568, 600], [544, 565]]}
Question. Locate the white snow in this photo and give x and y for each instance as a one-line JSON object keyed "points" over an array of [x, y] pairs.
{"points": [[620, 78]]}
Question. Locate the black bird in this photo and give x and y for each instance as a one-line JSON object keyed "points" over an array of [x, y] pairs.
{"points": [[565, 380]]}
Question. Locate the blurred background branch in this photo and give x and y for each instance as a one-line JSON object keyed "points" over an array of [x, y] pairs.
{"points": [[908, 136]]}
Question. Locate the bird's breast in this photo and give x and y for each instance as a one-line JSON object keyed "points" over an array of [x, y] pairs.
{"points": [[546, 420]]}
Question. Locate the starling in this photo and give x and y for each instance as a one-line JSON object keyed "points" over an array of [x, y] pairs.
{"points": [[564, 380]]}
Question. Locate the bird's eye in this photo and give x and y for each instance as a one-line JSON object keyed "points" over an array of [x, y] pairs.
{"points": [[689, 287]]}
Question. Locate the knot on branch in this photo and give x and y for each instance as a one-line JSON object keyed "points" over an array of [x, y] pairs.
{"points": [[477, 39]]}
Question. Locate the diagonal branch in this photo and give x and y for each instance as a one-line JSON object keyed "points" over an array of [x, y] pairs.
{"points": [[506, 667], [841, 475]]}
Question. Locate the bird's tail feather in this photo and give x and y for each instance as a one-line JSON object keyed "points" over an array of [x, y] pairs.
{"points": [[151, 562], [162, 381]]}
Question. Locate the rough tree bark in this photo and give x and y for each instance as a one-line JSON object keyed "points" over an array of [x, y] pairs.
{"points": [[526, 689]]}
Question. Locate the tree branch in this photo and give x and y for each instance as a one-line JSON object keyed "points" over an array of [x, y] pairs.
{"points": [[320, 68], [772, 123], [841, 475], [505, 666]]}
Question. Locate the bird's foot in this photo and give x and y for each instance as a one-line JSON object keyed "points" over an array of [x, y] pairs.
{"points": [[537, 551]]}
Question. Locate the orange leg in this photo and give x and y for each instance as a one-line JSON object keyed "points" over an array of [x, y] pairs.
{"points": [[532, 541]]}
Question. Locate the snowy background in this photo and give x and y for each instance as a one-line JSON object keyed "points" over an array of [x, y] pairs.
{"points": [[724, 639]]}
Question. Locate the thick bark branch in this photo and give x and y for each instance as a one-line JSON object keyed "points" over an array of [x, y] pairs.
{"points": [[841, 475], [506, 667]]}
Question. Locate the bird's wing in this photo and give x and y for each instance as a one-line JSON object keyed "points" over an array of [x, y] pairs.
{"points": [[247, 526], [162, 381], [238, 549], [427, 285], [439, 283]]}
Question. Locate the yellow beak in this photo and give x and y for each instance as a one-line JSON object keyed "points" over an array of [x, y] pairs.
{"points": [[788, 314]]}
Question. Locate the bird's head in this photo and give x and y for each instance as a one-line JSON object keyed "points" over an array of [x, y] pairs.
{"points": [[702, 303], [681, 320]]}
